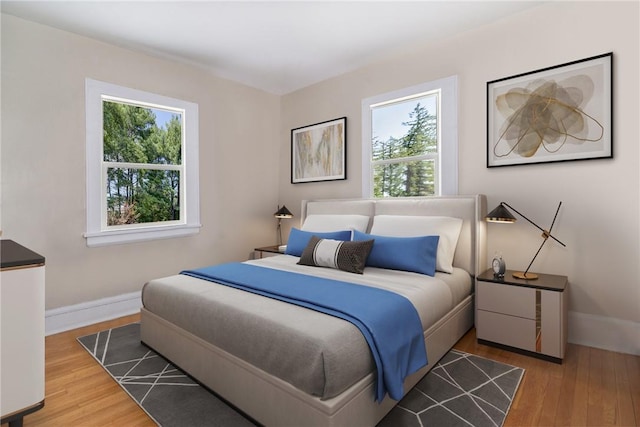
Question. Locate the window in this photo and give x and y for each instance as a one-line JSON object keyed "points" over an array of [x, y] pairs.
{"points": [[142, 165], [410, 141]]}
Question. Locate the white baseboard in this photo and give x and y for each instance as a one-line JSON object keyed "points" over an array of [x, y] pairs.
{"points": [[87, 313], [608, 333]]}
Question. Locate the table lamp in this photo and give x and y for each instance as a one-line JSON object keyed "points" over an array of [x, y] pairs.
{"points": [[502, 215], [281, 213]]}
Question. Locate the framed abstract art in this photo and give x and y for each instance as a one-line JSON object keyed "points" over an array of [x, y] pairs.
{"points": [[319, 152], [555, 114]]}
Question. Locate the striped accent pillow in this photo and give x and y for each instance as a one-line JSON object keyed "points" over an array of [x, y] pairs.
{"points": [[345, 256]]}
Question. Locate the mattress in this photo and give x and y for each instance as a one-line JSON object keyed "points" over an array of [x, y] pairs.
{"points": [[319, 354]]}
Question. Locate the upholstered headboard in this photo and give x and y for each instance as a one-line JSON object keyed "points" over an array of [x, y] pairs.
{"points": [[470, 251]]}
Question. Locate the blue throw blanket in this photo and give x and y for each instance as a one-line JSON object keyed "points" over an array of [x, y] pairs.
{"points": [[388, 321]]}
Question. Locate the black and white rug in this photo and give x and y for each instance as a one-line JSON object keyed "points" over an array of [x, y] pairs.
{"points": [[461, 390]]}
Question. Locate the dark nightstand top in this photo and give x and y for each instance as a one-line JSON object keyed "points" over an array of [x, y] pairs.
{"points": [[549, 282], [15, 255], [272, 249]]}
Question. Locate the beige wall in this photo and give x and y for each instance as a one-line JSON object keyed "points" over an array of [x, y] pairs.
{"points": [[599, 219], [43, 158]]}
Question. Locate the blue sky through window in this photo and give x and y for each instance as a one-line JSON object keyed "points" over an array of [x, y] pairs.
{"points": [[163, 116], [387, 119]]}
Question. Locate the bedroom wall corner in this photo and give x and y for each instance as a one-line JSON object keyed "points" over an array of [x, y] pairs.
{"points": [[43, 150]]}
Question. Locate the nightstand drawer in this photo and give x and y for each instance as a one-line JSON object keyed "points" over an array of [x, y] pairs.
{"points": [[508, 330], [512, 300]]}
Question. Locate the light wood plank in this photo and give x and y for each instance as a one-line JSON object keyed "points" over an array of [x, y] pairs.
{"points": [[633, 372], [550, 401], [624, 398], [581, 394], [595, 413], [610, 408], [568, 387]]}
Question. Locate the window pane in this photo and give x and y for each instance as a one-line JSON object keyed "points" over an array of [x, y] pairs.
{"points": [[136, 196], [419, 119], [405, 128], [135, 134], [404, 179]]}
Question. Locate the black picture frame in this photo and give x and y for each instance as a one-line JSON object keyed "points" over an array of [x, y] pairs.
{"points": [[319, 152], [555, 114]]}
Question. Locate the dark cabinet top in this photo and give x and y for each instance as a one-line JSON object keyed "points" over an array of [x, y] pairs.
{"points": [[13, 254], [550, 282]]}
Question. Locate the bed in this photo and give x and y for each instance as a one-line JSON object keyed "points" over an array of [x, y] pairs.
{"points": [[286, 365]]}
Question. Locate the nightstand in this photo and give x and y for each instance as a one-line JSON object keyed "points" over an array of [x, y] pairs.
{"points": [[527, 316], [268, 250]]}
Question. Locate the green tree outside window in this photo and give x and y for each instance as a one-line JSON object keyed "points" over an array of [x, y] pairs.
{"points": [[402, 166], [142, 160]]}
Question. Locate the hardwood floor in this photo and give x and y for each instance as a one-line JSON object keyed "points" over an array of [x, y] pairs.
{"points": [[591, 388], [78, 392]]}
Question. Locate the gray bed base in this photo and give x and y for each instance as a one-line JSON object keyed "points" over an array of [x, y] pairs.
{"points": [[273, 402]]}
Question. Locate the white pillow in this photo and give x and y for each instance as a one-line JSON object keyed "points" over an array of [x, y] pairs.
{"points": [[448, 228], [324, 223]]}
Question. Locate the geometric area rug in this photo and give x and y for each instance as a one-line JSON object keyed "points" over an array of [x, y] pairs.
{"points": [[166, 394], [461, 390]]}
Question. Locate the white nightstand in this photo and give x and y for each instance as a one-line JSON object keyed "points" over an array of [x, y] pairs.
{"points": [[523, 315]]}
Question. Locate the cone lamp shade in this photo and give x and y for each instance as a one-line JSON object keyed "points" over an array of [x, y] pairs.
{"points": [[283, 212]]}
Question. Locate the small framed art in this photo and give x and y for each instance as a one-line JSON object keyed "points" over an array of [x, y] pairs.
{"points": [[555, 114], [319, 152]]}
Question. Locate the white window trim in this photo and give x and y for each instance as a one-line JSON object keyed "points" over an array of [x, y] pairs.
{"points": [[447, 181], [97, 234]]}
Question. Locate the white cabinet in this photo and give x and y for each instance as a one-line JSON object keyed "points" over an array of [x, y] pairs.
{"points": [[528, 315], [21, 332]]}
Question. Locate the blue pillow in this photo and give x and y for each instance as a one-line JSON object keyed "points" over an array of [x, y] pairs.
{"points": [[415, 254], [298, 239]]}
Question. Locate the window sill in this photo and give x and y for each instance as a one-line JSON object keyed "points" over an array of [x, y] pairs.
{"points": [[117, 237]]}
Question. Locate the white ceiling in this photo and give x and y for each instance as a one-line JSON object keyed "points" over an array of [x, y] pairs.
{"points": [[278, 47]]}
